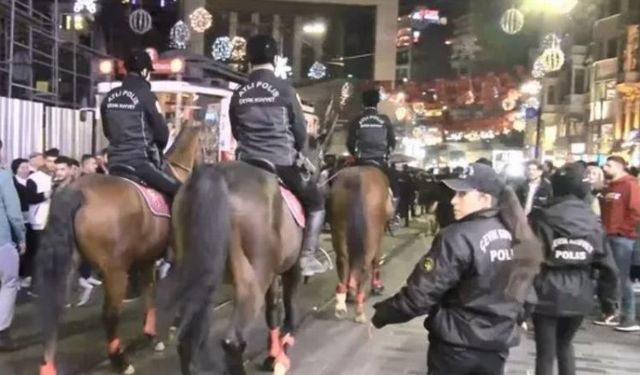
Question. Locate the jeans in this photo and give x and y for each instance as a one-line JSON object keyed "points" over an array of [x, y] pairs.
{"points": [[554, 338], [445, 359], [9, 283], [622, 249]]}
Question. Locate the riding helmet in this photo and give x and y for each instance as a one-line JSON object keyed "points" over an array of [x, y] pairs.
{"points": [[261, 49], [137, 60]]}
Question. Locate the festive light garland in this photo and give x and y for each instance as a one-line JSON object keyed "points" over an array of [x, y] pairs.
{"points": [[88, 5], [539, 69], [553, 59], [317, 71], [201, 20], [282, 67], [179, 35], [222, 48], [512, 21], [239, 48], [140, 21], [551, 41]]}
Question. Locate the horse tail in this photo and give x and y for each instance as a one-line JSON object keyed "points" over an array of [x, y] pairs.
{"points": [[54, 258], [207, 224], [356, 228]]}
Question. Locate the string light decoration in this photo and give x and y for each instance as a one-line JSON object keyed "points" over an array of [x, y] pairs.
{"points": [[345, 93], [222, 48], [88, 5], [317, 71], [539, 70], [551, 41], [140, 21], [508, 104], [239, 48], [553, 59], [201, 20], [512, 21], [179, 35], [282, 67]]}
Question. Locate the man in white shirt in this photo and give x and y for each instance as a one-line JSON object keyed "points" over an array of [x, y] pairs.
{"points": [[536, 191]]}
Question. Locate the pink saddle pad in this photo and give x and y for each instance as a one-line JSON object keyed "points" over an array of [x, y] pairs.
{"points": [[155, 200], [294, 206]]}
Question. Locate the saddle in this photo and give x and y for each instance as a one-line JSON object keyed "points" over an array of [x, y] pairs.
{"points": [[292, 202], [156, 202]]}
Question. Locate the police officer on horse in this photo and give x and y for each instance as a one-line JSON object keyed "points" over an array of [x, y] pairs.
{"points": [[268, 123], [136, 129], [371, 137]]}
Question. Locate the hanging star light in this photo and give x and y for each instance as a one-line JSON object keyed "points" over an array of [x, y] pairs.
{"points": [[239, 48], [512, 21], [179, 35], [88, 5], [282, 68], [317, 71], [140, 21], [201, 20], [222, 48]]}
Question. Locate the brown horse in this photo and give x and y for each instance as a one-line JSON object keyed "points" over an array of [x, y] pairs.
{"points": [[107, 221], [232, 216], [360, 208]]}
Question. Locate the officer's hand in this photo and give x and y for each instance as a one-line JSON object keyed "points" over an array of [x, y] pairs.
{"points": [[22, 248]]}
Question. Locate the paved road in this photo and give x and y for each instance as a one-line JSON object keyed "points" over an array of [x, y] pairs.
{"points": [[82, 345]]}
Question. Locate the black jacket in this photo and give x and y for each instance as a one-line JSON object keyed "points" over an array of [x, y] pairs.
{"points": [[574, 244], [28, 194], [267, 119], [371, 135], [461, 285], [542, 196], [132, 122]]}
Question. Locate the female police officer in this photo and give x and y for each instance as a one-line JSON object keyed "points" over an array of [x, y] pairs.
{"points": [[473, 281]]}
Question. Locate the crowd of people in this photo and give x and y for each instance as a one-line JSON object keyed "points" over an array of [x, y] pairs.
{"points": [[26, 194]]}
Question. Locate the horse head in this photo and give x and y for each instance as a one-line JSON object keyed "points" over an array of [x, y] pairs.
{"points": [[193, 145]]}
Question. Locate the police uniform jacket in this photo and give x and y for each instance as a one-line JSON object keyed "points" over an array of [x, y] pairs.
{"points": [[574, 244], [132, 122], [267, 119], [371, 135], [461, 285]]}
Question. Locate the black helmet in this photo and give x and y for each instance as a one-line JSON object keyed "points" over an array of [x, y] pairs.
{"points": [[138, 60], [261, 49]]}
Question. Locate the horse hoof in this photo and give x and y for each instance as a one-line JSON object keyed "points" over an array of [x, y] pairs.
{"points": [[159, 347], [130, 370], [269, 364], [280, 369], [361, 318], [377, 290]]}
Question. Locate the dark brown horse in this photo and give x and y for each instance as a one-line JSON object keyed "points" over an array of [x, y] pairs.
{"points": [[232, 216], [360, 208], [106, 220]]}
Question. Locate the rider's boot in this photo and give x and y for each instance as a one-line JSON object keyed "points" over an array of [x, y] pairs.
{"points": [[308, 262]]}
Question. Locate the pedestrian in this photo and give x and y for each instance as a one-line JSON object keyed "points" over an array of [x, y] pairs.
{"points": [[12, 233], [473, 282], [536, 191], [28, 194], [595, 176], [36, 162], [620, 216], [102, 160], [574, 245], [89, 164]]}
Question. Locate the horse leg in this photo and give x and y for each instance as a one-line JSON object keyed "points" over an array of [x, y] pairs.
{"points": [[342, 265], [377, 287], [115, 291], [273, 323], [148, 278], [372, 246], [290, 284]]}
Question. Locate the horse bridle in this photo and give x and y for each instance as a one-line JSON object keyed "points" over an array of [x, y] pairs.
{"points": [[173, 165]]}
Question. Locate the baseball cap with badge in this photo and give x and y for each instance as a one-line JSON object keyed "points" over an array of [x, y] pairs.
{"points": [[477, 176]]}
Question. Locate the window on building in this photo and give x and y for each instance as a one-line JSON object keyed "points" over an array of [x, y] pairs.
{"points": [[579, 81], [614, 7], [403, 58], [551, 95], [612, 48]]}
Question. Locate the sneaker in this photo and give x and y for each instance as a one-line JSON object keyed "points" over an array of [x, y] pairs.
{"points": [[93, 281], [636, 287], [26, 282], [85, 294], [628, 326], [311, 266], [608, 321]]}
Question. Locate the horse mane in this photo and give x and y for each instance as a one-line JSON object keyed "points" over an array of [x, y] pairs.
{"points": [[179, 146]]}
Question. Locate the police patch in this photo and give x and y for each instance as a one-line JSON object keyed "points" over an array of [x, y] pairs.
{"points": [[428, 264]]}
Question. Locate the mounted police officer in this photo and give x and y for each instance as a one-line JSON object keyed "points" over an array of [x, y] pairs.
{"points": [[371, 137], [473, 282], [268, 123], [136, 129]]}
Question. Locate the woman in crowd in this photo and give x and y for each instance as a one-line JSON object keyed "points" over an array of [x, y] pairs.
{"points": [[574, 244], [595, 177]]}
